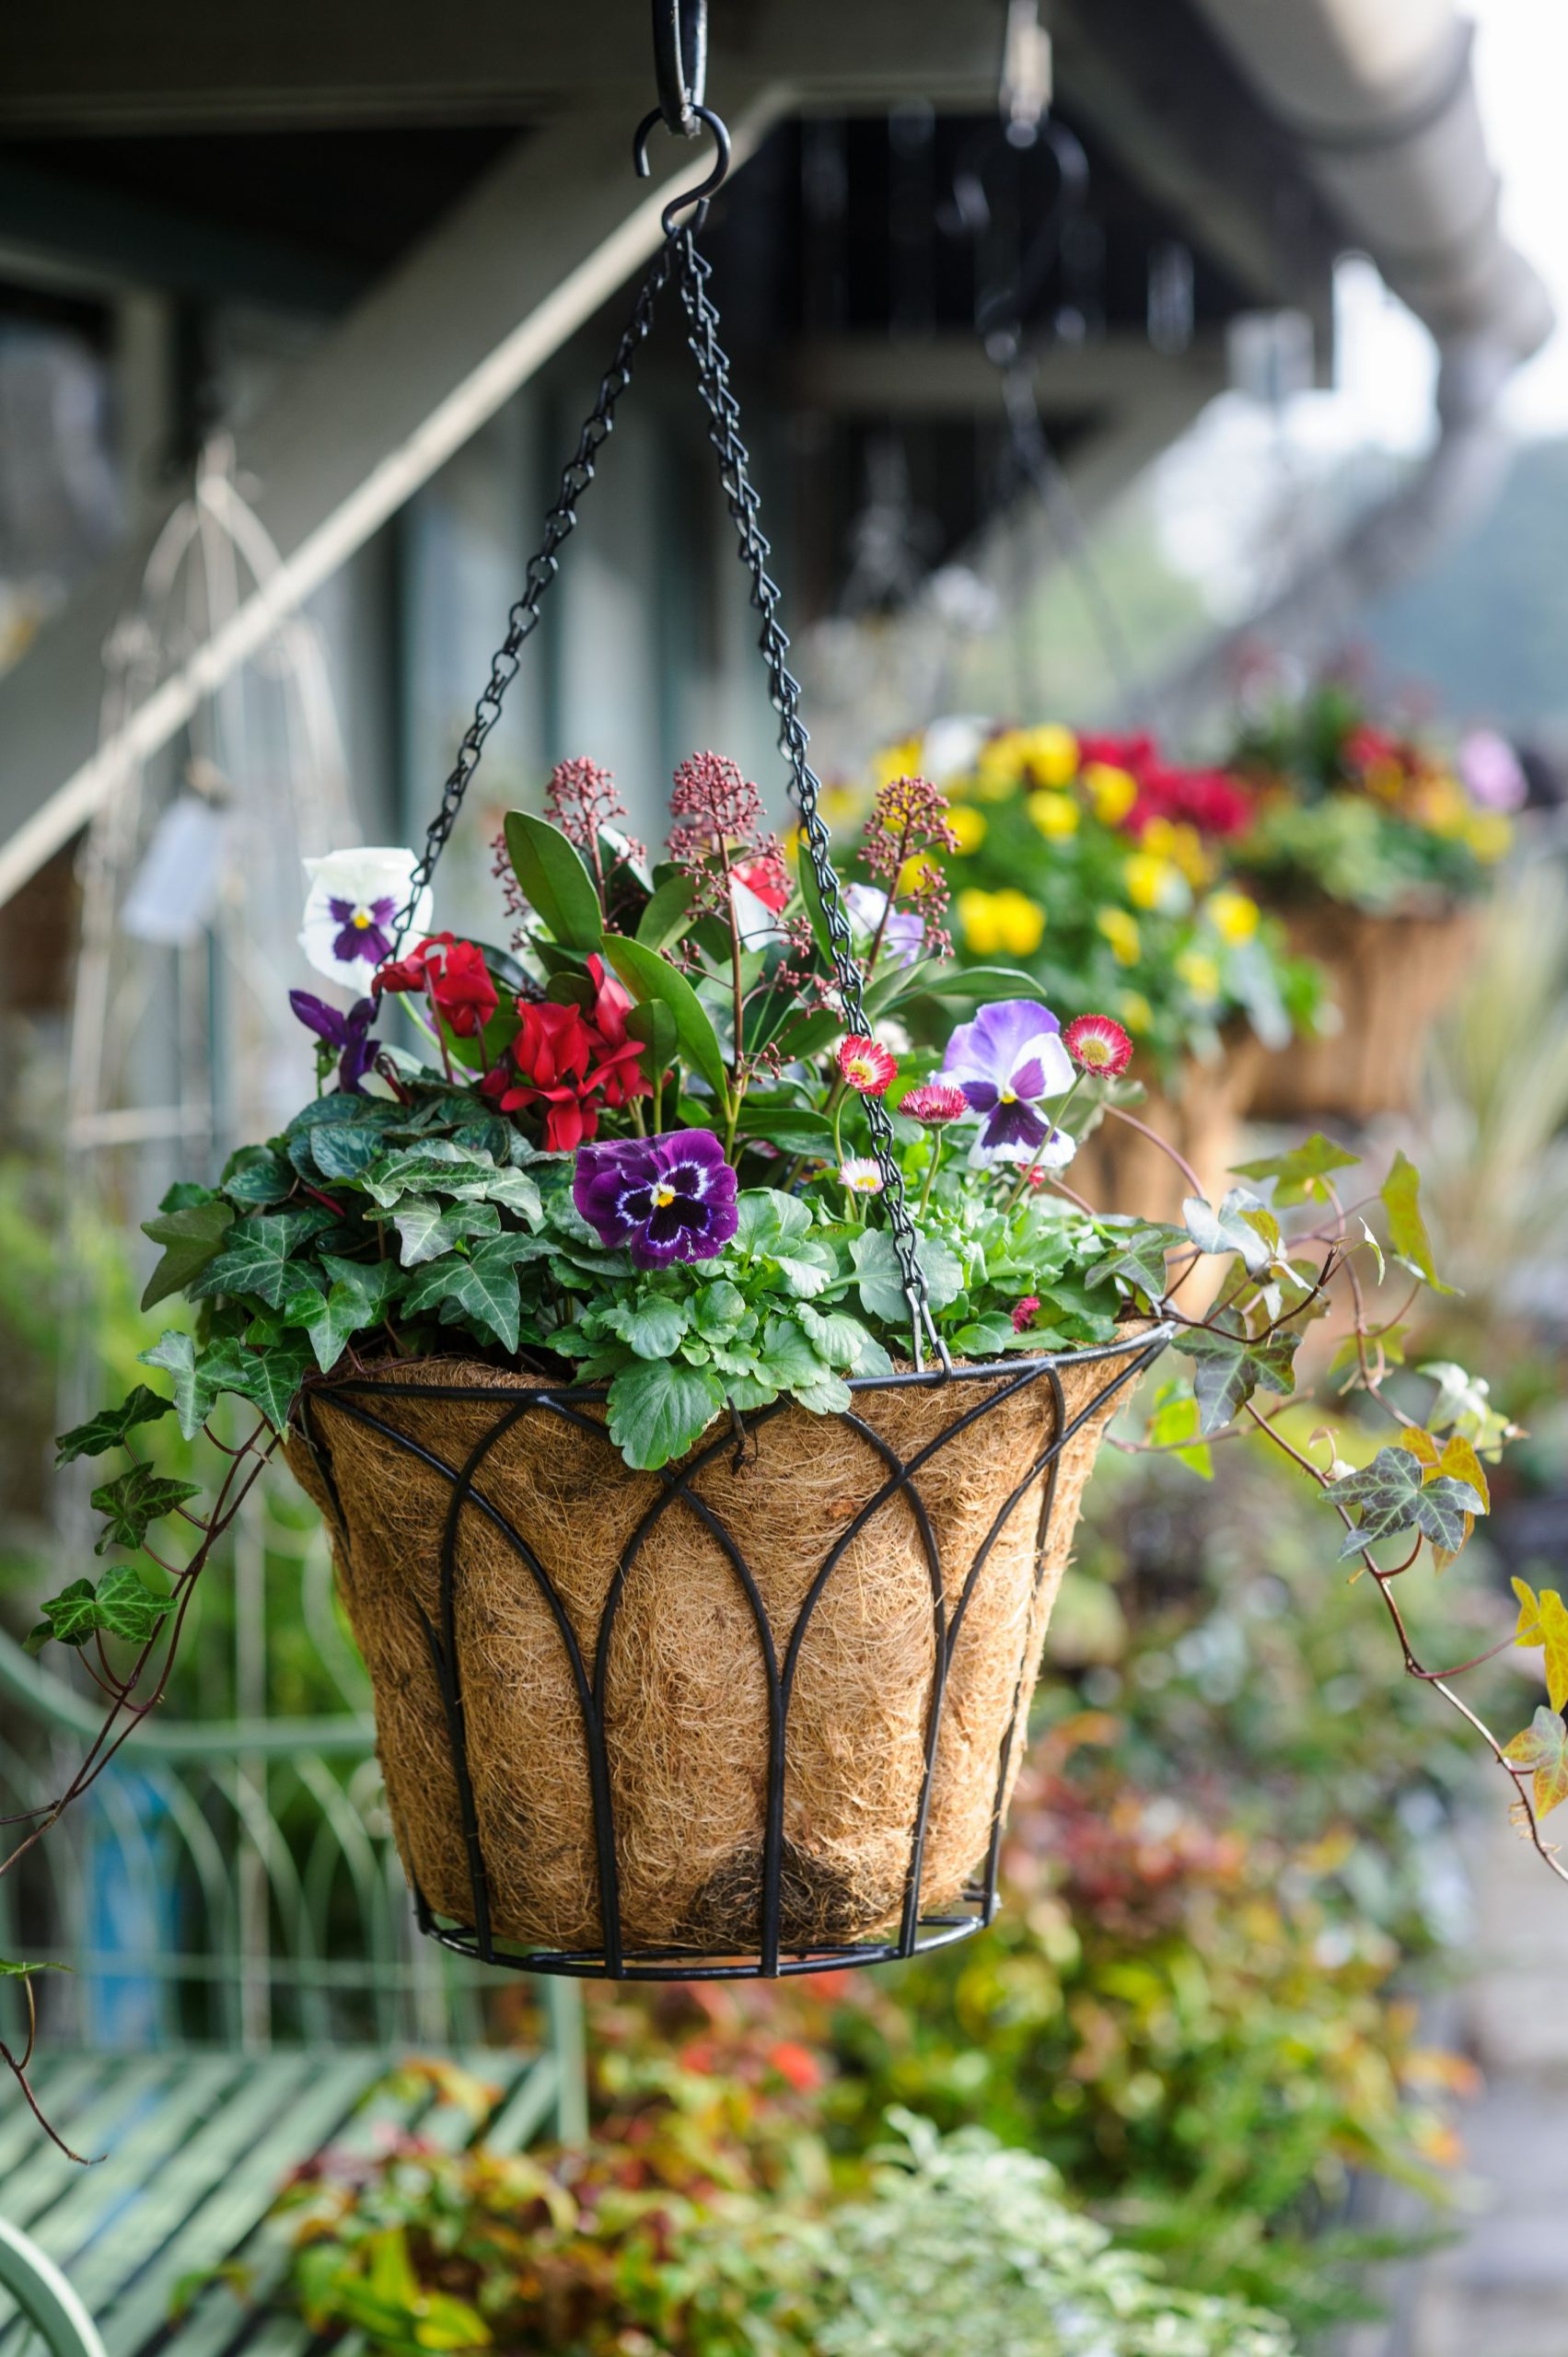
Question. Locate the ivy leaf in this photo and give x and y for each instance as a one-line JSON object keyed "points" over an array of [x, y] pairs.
{"points": [[108, 1427], [255, 1177], [122, 1605], [137, 1498], [1175, 1423], [880, 1279], [1232, 1228], [269, 1378], [1298, 1175], [1408, 1238], [555, 880], [1543, 1748], [355, 1301], [648, 976], [189, 1237], [482, 1288], [255, 1255], [343, 1149], [1346, 1360], [1141, 1262], [659, 1409], [1543, 1620], [427, 1230], [1229, 1367], [176, 1352], [1396, 1493], [441, 1166]]}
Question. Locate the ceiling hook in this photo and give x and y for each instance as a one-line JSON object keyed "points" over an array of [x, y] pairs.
{"points": [[680, 63], [698, 196]]}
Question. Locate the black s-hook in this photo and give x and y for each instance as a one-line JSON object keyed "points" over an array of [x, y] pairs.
{"points": [[697, 197]]}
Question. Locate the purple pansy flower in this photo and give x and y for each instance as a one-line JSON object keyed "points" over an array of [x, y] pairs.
{"points": [[348, 1034], [904, 933], [362, 933], [668, 1198], [1008, 1061]]}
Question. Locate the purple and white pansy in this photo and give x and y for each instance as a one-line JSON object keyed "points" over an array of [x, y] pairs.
{"points": [[352, 909], [901, 930], [666, 1198], [1009, 1062]]}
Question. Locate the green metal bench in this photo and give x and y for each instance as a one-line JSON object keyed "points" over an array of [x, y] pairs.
{"points": [[245, 1974]]}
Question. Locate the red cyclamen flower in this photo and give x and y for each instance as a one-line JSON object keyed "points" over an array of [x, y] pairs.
{"points": [[568, 1067], [454, 974], [1024, 1312], [933, 1105], [866, 1065], [1098, 1044]]}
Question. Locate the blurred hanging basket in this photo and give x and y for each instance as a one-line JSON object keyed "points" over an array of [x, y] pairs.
{"points": [[1117, 1168], [757, 1711], [1391, 976]]}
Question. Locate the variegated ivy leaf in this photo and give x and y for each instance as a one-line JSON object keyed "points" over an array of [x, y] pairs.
{"points": [[120, 1605], [108, 1427], [256, 1252], [1543, 1748], [1543, 1620], [1299, 1175], [482, 1288], [1243, 1223], [426, 1228], [1229, 1366], [466, 1172], [1396, 1493], [137, 1499], [1142, 1262]]}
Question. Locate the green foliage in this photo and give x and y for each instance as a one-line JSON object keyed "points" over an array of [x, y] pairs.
{"points": [[120, 1605], [555, 881], [108, 1427], [1396, 1495], [134, 1500]]}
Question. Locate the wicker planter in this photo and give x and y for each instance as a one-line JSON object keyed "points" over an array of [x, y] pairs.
{"points": [[1391, 978], [754, 1713], [1117, 1169]]}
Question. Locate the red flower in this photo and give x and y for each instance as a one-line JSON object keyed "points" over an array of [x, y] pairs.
{"points": [[1211, 800], [769, 879], [933, 1105], [866, 1065], [456, 978], [796, 2064], [1098, 1044], [1024, 1313], [570, 1065]]}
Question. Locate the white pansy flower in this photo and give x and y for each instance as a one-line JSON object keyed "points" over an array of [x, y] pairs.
{"points": [[351, 912]]}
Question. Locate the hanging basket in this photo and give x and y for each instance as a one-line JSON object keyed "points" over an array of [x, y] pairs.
{"points": [[759, 1712], [1117, 1169], [1391, 978]]}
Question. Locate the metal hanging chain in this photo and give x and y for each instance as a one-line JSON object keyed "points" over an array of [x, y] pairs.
{"points": [[742, 500], [543, 566]]}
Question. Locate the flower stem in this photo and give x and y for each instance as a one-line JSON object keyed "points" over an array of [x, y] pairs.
{"points": [[932, 1167]]}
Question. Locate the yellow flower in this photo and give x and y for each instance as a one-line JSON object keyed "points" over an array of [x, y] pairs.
{"points": [[792, 845], [1488, 835], [842, 807], [1000, 921], [1199, 972], [1114, 791], [897, 760], [919, 869], [1181, 844], [1121, 931], [1056, 815], [1232, 915], [1153, 882], [1050, 754], [1136, 1012], [1386, 777], [969, 826], [1442, 805]]}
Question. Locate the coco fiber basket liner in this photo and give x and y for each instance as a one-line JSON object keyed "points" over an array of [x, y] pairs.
{"points": [[1391, 978], [756, 1711]]}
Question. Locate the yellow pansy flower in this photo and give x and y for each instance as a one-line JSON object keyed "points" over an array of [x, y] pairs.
{"points": [[1112, 790], [1199, 972], [1153, 882], [1234, 915], [1121, 931], [1055, 814], [1443, 807], [842, 807], [1136, 1012], [1182, 846], [969, 826], [1006, 921], [1051, 753]]}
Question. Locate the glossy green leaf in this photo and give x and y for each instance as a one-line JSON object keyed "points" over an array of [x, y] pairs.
{"points": [[665, 917], [648, 976], [555, 880], [1408, 1238], [134, 1501], [256, 1254]]}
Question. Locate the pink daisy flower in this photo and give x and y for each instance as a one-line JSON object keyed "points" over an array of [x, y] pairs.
{"points": [[1024, 1312], [933, 1105], [866, 1065], [1098, 1044]]}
